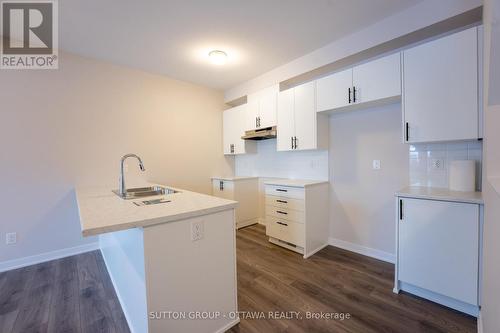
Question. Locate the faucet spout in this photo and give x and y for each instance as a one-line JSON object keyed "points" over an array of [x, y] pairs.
{"points": [[122, 188]]}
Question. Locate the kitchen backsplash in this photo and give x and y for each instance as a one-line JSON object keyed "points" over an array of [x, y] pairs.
{"points": [[311, 164], [429, 163]]}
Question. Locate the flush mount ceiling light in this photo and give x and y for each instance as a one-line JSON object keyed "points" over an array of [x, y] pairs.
{"points": [[217, 57]]}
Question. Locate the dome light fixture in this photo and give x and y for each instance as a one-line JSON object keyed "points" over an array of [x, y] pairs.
{"points": [[217, 57]]}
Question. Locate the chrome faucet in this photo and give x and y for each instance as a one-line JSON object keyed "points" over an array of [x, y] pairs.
{"points": [[122, 190]]}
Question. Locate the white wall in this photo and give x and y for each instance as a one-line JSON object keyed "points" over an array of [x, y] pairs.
{"points": [[68, 127], [490, 309], [414, 18], [362, 199]]}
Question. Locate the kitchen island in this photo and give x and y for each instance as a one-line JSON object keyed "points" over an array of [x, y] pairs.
{"points": [[173, 264]]}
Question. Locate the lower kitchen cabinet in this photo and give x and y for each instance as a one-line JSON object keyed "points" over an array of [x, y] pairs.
{"points": [[297, 215], [438, 251], [245, 190]]}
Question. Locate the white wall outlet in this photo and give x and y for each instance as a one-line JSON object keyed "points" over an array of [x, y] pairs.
{"points": [[437, 164], [197, 230], [11, 238], [376, 165]]}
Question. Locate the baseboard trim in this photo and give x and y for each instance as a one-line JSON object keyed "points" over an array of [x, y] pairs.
{"points": [[480, 323], [228, 326], [366, 251], [47, 256]]}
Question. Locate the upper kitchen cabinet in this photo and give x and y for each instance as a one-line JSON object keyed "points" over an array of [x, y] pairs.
{"points": [[299, 126], [377, 81], [440, 96], [262, 108], [233, 123]]}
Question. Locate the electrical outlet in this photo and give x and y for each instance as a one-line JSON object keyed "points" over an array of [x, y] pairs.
{"points": [[376, 165], [11, 238], [197, 230], [437, 164]]}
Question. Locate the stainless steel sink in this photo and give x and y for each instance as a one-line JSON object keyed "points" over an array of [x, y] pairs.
{"points": [[141, 192]]}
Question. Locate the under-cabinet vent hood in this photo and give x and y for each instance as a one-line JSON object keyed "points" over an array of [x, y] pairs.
{"points": [[260, 134]]}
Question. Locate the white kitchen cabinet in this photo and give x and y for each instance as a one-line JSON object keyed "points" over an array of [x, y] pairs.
{"points": [[438, 251], [297, 215], [440, 89], [334, 91], [262, 108], [375, 81], [245, 190], [233, 124], [299, 125], [378, 79]]}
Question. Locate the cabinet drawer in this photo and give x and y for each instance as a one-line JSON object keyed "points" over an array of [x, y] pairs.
{"points": [[284, 202], [285, 191], [284, 230], [286, 214]]}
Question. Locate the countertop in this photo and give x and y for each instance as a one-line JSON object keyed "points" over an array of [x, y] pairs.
{"points": [[102, 211], [293, 182], [234, 178], [440, 194]]}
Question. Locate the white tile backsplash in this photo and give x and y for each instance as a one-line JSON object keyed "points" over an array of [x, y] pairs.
{"points": [[429, 162]]}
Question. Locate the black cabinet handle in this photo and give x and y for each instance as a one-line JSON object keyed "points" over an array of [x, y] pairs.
{"points": [[349, 93], [231, 148], [296, 143], [282, 201], [286, 225], [221, 185], [354, 94], [281, 212], [292, 141], [281, 190], [407, 131], [400, 209]]}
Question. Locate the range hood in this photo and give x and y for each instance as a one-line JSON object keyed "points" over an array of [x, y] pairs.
{"points": [[260, 134]]}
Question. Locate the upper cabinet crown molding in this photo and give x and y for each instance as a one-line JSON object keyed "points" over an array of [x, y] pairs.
{"points": [[372, 83], [441, 89]]}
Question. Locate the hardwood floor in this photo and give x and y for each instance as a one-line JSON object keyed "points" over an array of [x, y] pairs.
{"points": [[70, 295], [271, 278], [75, 294]]}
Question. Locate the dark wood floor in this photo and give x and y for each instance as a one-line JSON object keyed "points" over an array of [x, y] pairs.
{"points": [[274, 279], [75, 294], [69, 295]]}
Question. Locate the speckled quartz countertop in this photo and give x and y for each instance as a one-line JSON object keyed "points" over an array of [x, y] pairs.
{"points": [[102, 211], [421, 192], [293, 182]]}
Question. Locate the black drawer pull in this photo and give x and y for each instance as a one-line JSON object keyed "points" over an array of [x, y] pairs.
{"points": [[281, 190], [286, 225], [282, 201], [281, 212]]}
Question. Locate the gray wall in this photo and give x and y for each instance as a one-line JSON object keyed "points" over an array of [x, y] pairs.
{"points": [[362, 199]]}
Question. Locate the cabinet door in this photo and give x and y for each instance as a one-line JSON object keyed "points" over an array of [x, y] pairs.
{"points": [[251, 115], [223, 189], [286, 120], [305, 116], [440, 89], [333, 91], [378, 79], [239, 123], [267, 110], [227, 130], [439, 247]]}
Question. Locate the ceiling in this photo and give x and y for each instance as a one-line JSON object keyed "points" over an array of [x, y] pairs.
{"points": [[173, 37]]}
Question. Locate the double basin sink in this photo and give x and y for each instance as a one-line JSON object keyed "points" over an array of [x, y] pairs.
{"points": [[142, 192]]}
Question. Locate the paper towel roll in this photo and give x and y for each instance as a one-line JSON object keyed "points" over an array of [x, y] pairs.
{"points": [[462, 175]]}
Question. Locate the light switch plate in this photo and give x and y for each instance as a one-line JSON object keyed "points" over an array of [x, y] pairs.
{"points": [[11, 238], [376, 165]]}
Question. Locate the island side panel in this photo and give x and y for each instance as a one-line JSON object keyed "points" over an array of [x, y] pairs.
{"points": [[123, 253], [185, 276]]}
